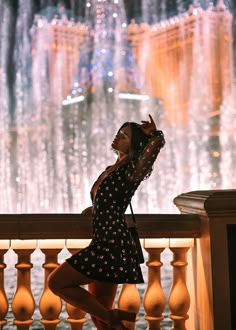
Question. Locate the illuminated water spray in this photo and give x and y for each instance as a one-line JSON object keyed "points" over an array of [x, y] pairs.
{"points": [[76, 83]]}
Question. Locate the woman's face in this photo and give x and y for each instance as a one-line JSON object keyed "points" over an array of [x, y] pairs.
{"points": [[122, 140]]}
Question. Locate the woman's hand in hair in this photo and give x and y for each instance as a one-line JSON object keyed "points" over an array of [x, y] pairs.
{"points": [[148, 126]]}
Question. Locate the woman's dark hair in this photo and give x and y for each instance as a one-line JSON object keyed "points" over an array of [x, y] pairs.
{"points": [[138, 139]]}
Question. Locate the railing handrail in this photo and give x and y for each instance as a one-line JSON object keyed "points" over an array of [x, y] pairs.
{"points": [[79, 226]]}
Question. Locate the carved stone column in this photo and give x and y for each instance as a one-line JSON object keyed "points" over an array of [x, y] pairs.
{"points": [[154, 298], [23, 304], [50, 305], [4, 246], [129, 300], [179, 299], [76, 317]]}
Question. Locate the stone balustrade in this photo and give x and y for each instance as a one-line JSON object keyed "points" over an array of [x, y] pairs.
{"points": [[50, 233], [197, 242]]}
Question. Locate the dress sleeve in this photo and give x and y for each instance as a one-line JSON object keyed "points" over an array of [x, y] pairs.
{"points": [[142, 166]]}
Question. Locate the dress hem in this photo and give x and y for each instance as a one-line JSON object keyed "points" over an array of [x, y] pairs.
{"points": [[100, 280]]}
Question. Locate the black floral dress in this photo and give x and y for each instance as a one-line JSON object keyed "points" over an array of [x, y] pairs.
{"points": [[111, 256]]}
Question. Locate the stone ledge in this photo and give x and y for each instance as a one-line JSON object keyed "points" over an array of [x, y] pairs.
{"points": [[79, 226]]}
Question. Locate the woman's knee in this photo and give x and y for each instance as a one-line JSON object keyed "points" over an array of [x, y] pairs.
{"points": [[65, 276], [54, 283], [56, 280]]}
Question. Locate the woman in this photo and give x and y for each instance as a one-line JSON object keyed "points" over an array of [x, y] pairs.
{"points": [[111, 257]]}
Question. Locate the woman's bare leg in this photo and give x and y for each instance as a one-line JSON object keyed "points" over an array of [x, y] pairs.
{"points": [[65, 282], [105, 293]]}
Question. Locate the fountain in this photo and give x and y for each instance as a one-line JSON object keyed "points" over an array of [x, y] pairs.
{"points": [[69, 96], [58, 120], [57, 150]]}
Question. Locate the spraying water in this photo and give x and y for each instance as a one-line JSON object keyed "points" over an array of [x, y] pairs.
{"points": [[53, 147]]}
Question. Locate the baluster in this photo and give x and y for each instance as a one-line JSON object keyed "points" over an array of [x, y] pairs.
{"points": [[4, 246], [76, 316], [23, 304], [50, 305], [154, 298], [179, 299], [129, 300]]}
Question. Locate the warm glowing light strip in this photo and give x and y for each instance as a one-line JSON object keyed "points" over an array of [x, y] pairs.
{"points": [[71, 100], [133, 96]]}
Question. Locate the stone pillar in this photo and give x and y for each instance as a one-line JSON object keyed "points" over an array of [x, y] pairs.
{"points": [[4, 246], [23, 304], [50, 305], [179, 299], [129, 299], [154, 298], [210, 294]]}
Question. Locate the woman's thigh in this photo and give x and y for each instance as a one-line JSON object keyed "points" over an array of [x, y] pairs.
{"points": [[65, 275]]}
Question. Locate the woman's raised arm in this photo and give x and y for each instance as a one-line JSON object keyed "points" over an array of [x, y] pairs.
{"points": [[142, 166]]}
